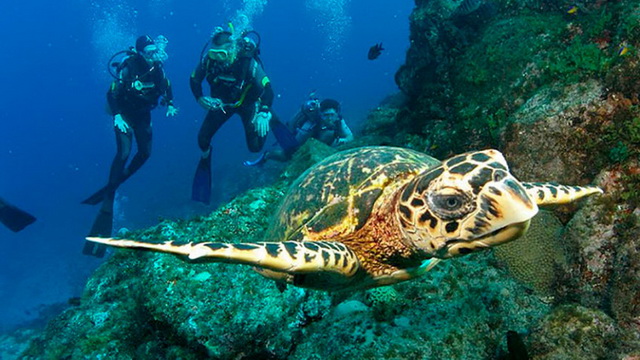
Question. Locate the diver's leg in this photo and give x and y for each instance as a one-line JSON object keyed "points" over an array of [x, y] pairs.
{"points": [[116, 174], [123, 144], [211, 124], [144, 135], [201, 188]]}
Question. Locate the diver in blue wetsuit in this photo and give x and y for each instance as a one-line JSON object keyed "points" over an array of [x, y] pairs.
{"points": [[140, 82], [238, 85]]}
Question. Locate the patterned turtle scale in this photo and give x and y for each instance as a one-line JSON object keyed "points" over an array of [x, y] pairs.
{"points": [[377, 216]]}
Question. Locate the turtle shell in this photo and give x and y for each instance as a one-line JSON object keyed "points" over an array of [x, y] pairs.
{"points": [[335, 197]]}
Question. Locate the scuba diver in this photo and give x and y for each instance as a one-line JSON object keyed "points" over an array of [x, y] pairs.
{"points": [[238, 85], [140, 81], [14, 218], [322, 121]]}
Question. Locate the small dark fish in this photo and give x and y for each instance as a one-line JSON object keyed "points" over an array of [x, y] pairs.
{"points": [[375, 51], [516, 347]]}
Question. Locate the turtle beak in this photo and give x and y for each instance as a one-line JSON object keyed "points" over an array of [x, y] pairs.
{"points": [[500, 236]]}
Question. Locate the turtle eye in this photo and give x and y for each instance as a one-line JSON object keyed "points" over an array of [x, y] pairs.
{"points": [[448, 202], [450, 205]]}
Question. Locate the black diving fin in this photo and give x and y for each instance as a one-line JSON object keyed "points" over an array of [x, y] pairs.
{"points": [[97, 197], [102, 226], [201, 189], [14, 218]]}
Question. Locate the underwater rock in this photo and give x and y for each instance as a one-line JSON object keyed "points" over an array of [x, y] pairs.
{"points": [[574, 332], [542, 143], [311, 152], [601, 242]]}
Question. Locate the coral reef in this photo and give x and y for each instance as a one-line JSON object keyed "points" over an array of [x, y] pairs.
{"points": [[535, 258]]}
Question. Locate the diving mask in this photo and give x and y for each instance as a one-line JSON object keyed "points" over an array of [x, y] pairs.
{"points": [[161, 42], [155, 54], [218, 54]]}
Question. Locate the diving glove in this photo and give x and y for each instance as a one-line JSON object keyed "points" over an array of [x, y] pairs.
{"points": [[172, 110], [118, 122], [261, 123]]}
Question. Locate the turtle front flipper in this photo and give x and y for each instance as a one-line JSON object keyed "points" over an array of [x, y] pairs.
{"points": [[291, 257], [548, 193]]}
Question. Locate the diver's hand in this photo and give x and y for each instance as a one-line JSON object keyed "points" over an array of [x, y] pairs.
{"points": [[340, 141], [261, 123], [209, 103], [119, 123], [172, 110]]}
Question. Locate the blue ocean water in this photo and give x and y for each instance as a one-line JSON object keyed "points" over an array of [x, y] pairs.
{"points": [[57, 142]]}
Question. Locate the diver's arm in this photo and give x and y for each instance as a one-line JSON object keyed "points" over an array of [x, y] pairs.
{"points": [[345, 134], [117, 89], [262, 81], [111, 99], [168, 94], [266, 99], [195, 81]]}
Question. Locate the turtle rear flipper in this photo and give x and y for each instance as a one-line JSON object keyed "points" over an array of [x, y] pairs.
{"points": [[550, 193], [290, 257]]}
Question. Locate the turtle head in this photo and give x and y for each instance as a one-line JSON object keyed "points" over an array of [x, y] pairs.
{"points": [[468, 203]]}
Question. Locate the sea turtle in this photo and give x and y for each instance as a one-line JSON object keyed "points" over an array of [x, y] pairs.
{"points": [[376, 216]]}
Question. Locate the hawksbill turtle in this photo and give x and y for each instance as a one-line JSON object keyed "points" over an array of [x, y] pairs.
{"points": [[376, 216]]}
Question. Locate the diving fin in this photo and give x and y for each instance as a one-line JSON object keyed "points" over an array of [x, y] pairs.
{"points": [[201, 190], [259, 161], [102, 226], [97, 197], [13, 218], [285, 138]]}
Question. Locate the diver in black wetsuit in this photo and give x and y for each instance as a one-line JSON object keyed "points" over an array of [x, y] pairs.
{"points": [[238, 85], [140, 83]]}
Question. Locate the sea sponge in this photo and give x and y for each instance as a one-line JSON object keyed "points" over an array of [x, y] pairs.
{"points": [[534, 258]]}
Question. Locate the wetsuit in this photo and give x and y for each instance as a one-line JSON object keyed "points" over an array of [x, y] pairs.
{"points": [[243, 87], [133, 97]]}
